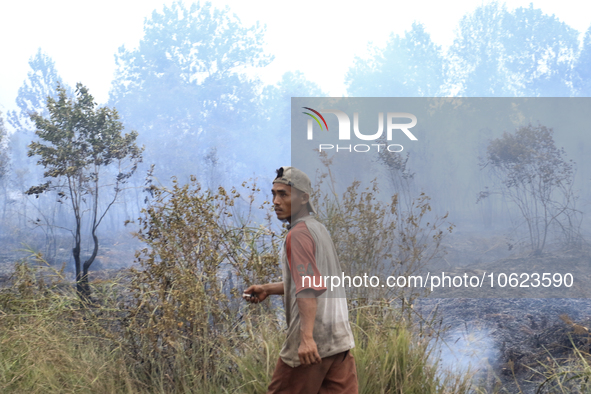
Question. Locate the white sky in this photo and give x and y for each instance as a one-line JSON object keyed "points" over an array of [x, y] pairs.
{"points": [[319, 38]]}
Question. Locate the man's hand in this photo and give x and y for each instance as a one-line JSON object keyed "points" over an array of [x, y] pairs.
{"points": [[257, 294], [308, 352]]}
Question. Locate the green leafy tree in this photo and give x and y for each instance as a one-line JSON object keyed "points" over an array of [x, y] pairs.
{"points": [[409, 66], [78, 144], [536, 176]]}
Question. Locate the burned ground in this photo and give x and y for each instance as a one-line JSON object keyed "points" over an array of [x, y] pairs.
{"points": [[515, 340]]}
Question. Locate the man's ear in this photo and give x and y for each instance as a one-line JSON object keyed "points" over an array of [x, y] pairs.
{"points": [[305, 197]]}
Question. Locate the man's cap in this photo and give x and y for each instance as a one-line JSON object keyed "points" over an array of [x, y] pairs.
{"points": [[293, 177]]}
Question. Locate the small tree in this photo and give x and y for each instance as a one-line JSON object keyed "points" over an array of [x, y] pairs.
{"points": [[78, 144], [537, 177]]}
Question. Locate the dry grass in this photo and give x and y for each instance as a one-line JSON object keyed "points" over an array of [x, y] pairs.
{"points": [[51, 343]]}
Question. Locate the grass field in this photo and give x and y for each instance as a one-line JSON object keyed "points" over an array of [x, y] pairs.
{"points": [[52, 343]]}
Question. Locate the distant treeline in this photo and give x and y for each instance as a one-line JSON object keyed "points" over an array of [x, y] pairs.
{"points": [[188, 89]]}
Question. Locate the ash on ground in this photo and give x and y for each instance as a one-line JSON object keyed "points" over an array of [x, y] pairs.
{"points": [[511, 342]]}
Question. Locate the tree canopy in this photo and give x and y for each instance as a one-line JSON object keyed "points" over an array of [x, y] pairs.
{"points": [[41, 82], [496, 53], [501, 53], [409, 66], [187, 85]]}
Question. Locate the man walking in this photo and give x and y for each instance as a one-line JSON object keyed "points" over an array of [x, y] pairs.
{"points": [[315, 357]]}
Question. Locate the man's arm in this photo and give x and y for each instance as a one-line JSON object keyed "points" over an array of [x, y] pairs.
{"points": [[308, 351], [260, 292]]}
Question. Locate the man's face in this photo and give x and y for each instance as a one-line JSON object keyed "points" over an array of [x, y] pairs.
{"points": [[288, 202]]}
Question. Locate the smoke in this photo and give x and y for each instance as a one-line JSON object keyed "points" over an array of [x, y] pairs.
{"points": [[467, 349]]}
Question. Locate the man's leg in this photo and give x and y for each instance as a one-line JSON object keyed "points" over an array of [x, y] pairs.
{"points": [[299, 380], [341, 378]]}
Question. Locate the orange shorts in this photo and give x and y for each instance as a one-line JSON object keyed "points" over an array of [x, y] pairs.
{"points": [[336, 374]]}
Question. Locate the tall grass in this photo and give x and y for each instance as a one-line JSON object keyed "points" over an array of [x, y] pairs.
{"points": [[47, 342], [393, 357], [51, 343]]}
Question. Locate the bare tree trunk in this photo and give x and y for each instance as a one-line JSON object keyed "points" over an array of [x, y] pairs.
{"points": [[76, 253], [80, 288], [88, 263]]}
